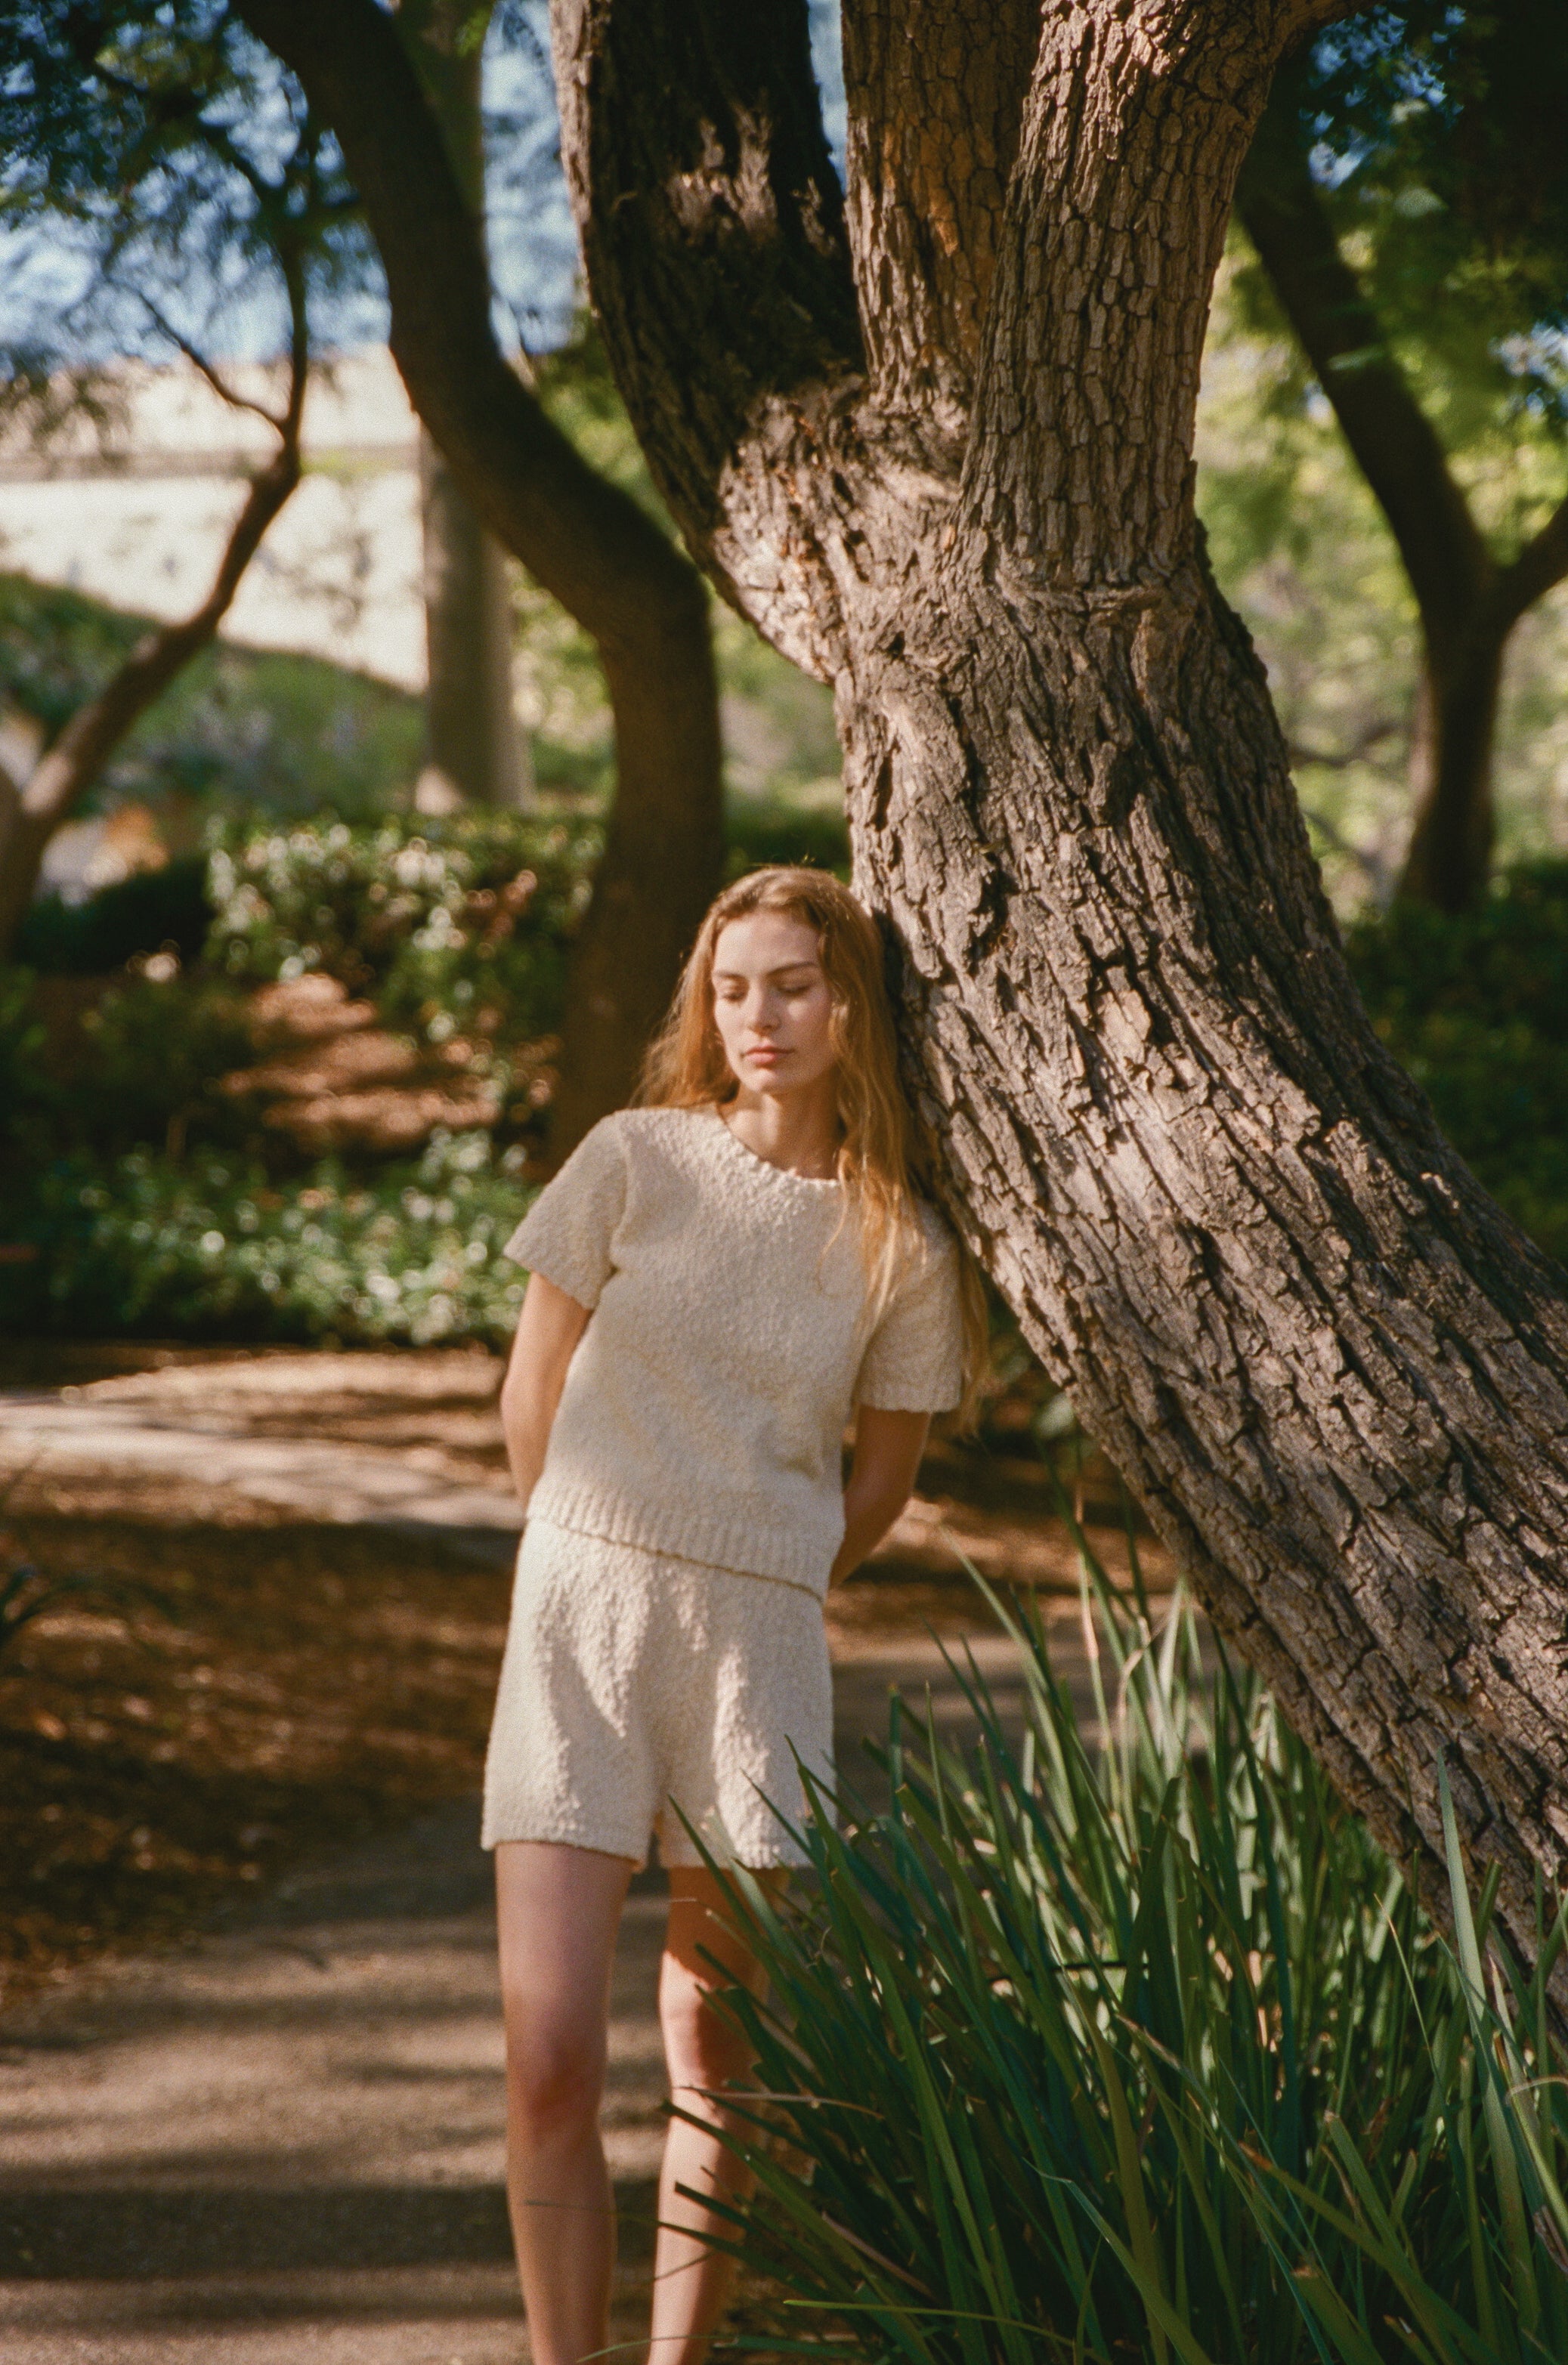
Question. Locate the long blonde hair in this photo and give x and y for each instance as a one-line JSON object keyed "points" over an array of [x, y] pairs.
{"points": [[885, 1156]]}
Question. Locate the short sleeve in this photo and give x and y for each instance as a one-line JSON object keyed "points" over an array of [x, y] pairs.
{"points": [[567, 1233], [914, 1360]]}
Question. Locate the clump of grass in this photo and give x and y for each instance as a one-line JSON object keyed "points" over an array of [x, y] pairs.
{"points": [[1136, 2047]]}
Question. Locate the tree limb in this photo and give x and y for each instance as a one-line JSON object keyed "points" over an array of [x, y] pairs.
{"points": [[199, 362], [935, 96], [1395, 444], [69, 767], [1539, 567], [585, 540], [1067, 349], [710, 216]]}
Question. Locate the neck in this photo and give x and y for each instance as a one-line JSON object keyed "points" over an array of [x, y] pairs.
{"points": [[798, 1131]]}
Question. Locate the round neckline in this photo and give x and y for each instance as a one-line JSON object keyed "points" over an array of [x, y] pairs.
{"points": [[765, 1166]]}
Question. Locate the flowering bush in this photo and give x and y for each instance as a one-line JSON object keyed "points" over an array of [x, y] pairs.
{"points": [[440, 921], [212, 1246]]}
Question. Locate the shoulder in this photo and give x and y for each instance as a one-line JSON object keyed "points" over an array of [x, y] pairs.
{"points": [[646, 1136]]}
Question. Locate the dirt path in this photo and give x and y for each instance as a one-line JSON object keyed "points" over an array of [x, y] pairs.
{"points": [[283, 2142]]}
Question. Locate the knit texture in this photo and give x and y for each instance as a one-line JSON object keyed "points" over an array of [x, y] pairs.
{"points": [[703, 1411], [638, 1690]]}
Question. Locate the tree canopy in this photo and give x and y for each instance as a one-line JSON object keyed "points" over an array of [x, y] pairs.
{"points": [[1407, 197]]}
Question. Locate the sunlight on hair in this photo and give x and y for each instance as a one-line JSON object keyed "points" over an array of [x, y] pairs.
{"points": [[885, 1158]]}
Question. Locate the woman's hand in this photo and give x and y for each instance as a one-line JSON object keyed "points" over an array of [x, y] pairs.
{"points": [[547, 1334], [888, 1447]]}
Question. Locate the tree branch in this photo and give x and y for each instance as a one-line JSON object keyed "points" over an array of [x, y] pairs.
{"points": [[585, 540], [1539, 567], [589, 543], [711, 217], [935, 96], [199, 362], [1395, 445], [1082, 439], [68, 769]]}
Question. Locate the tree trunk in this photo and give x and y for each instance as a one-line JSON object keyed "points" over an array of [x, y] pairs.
{"points": [[1468, 602], [586, 541], [68, 769], [475, 754], [1450, 857], [473, 751], [1332, 1369]]}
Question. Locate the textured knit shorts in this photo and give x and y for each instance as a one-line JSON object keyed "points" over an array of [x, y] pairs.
{"points": [[634, 1684]]}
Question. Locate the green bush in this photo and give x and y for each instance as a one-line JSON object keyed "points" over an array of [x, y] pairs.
{"points": [[1142, 2051], [143, 1068], [207, 1245], [1476, 1008], [265, 728], [143, 913], [437, 920]]}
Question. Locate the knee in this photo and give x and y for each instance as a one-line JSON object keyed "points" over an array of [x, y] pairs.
{"points": [[554, 2073], [701, 2047]]}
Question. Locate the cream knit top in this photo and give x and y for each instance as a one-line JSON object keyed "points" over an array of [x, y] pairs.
{"points": [[703, 1410]]}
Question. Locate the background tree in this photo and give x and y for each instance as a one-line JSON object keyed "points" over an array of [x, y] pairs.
{"points": [[475, 751], [589, 544], [1407, 196], [173, 159], [936, 442]]}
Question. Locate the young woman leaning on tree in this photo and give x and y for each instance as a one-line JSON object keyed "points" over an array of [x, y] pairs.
{"points": [[719, 1278]]}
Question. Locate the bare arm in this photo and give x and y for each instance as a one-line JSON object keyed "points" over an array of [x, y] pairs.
{"points": [[547, 1334], [888, 1447]]}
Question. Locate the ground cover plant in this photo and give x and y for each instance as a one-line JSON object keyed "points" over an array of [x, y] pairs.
{"points": [[1134, 2046], [1476, 1008]]}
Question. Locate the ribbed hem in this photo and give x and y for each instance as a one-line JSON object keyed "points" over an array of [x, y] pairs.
{"points": [[793, 1558]]}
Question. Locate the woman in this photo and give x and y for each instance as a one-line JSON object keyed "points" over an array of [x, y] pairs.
{"points": [[718, 1278]]}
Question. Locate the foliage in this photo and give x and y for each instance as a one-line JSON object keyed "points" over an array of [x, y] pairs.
{"points": [[1476, 1008], [150, 911], [1438, 131], [258, 729], [207, 1245], [440, 919], [1143, 2050], [1301, 551], [143, 1066], [160, 168]]}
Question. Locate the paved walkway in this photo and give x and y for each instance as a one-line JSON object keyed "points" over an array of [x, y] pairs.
{"points": [[283, 2142]]}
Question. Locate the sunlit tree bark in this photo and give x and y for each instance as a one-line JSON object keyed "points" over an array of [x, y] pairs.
{"points": [[936, 442]]}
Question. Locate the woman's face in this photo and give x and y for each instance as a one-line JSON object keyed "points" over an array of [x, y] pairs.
{"points": [[771, 1003]]}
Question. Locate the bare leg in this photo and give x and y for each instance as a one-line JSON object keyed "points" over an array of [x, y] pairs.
{"points": [[691, 2282], [559, 1909]]}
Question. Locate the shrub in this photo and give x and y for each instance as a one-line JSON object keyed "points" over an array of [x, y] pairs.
{"points": [[139, 1064], [1476, 1008], [1144, 2051], [208, 1246], [143, 913], [437, 920]]}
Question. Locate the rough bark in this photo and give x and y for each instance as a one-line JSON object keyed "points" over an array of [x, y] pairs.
{"points": [[1332, 1369], [585, 541], [1468, 602], [30, 816], [473, 752]]}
